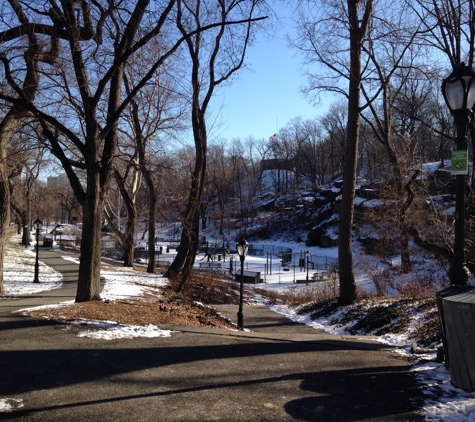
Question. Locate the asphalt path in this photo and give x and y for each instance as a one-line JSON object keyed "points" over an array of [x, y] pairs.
{"points": [[276, 371]]}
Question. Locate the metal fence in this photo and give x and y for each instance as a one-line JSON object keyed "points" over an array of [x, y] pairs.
{"points": [[294, 266], [263, 250], [278, 261]]}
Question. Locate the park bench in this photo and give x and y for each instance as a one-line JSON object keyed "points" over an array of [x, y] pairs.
{"points": [[320, 275], [253, 277], [210, 264]]}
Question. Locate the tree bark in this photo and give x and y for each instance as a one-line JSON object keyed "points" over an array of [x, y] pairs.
{"points": [[152, 219], [89, 285], [128, 237], [5, 199]]}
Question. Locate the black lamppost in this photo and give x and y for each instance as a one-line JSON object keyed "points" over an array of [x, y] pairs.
{"points": [[458, 90], [307, 254], [37, 225], [242, 247]]}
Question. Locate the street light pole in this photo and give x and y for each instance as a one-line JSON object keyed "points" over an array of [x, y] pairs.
{"points": [[458, 90], [37, 225], [458, 272], [307, 254], [242, 247]]}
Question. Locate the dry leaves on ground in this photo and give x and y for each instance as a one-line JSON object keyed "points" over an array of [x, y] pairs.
{"points": [[145, 311]]}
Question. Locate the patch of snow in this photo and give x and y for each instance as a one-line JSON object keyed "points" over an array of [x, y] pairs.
{"points": [[10, 404], [109, 330], [19, 271]]}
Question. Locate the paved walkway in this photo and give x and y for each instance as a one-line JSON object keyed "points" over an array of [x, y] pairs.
{"points": [[69, 271], [279, 371]]}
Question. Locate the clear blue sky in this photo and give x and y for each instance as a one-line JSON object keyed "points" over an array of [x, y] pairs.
{"points": [[266, 95]]}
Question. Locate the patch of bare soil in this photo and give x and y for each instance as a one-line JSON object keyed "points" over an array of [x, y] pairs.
{"points": [[160, 307], [137, 312]]}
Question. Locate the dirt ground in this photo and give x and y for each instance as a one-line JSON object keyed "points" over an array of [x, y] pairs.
{"points": [[158, 307]]}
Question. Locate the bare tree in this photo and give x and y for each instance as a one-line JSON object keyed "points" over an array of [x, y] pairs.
{"points": [[156, 113], [325, 28], [89, 92], [450, 30], [219, 174], [308, 152], [357, 27], [25, 165], [333, 124], [84, 99], [22, 77], [393, 67], [215, 56], [128, 179]]}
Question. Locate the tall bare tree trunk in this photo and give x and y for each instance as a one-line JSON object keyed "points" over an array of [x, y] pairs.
{"points": [[4, 198], [129, 237], [185, 259], [25, 224], [89, 285], [152, 218], [345, 256]]}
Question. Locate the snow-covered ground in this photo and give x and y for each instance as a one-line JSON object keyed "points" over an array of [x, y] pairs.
{"points": [[443, 403], [19, 272]]}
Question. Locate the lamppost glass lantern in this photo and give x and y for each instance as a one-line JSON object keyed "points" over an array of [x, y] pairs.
{"points": [[242, 248], [37, 225], [458, 90]]}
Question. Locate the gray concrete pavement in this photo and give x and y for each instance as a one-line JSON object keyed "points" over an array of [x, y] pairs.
{"points": [[279, 371]]}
